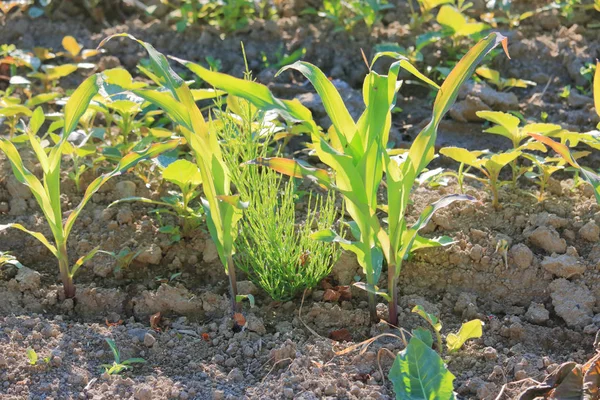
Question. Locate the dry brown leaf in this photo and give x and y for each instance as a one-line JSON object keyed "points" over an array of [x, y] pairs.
{"points": [[239, 319], [340, 335], [331, 295], [155, 321]]}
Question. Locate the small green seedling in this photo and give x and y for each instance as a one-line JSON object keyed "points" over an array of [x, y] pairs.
{"points": [[507, 125], [492, 76], [123, 258], [7, 258], [119, 366], [51, 74], [187, 177], [33, 357], [502, 249], [454, 341], [489, 165]]}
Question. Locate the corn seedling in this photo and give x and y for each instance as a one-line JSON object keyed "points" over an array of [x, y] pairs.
{"points": [[47, 191], [123, 258], [563, 150], [8, 259], [492, 76], [345, 14], [357, 154], [490, 166], [507, 125], [186, 176], [119, 366], [222, 209]]}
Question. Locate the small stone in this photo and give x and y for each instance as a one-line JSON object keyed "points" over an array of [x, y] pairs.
{"points": [[125, 189], [247, 287], [288, 393], [563, 265], [548, 239], [149, 340], [125, 216], [476, 252], [330, 390], [590, 329], [522, 256], [520, 375], [151, 255], [218, 395], [590, 232], [210, 253], [572, 302], [537, 314], [16, 189], [235, 375], [255, 324], [345, 269], [490, 353], [143, 393], [28, 279]]}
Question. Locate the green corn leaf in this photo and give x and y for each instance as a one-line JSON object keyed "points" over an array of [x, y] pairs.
{"points": [[419, 373], [329, 236], [295, 169], [37, 120], [83, 259], [597, 90], [141, 200], [115, 350], [430, 318], [372, 289], [468, 330], [36, 235], [130, 361]]}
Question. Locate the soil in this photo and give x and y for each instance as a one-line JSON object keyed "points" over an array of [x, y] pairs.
{"points": [[541, 303]]}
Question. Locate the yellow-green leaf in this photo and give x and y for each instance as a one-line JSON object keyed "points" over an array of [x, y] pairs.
{"points": [[468, 330], [71, 45]]}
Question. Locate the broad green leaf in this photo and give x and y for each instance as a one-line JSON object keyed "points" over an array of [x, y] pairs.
{"points": [[206, 94], [461, 155], [468, 330], [329, 236], [502, 159], [419, 373], [423, 335], [509, 122], [430, 318], [13, 110], [182, 173], [450, 17], [36, 121], [32, 356], [429, 5], [121, 77], [489, 74], [71, 45]]}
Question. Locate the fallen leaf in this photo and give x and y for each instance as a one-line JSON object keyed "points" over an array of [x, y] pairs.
{"points": [[340, 335], [111, 324], [331, 295], [239, 319], [155, 321], [206, 337]]}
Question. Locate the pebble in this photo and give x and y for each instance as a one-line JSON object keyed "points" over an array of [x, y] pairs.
{"points": [[149, 340]]}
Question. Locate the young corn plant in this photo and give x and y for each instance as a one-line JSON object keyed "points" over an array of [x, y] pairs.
{"points": [[489, 165], [507, 125], [47, 191], [221, 208], [357, 154], [543, 168], [119, 366]]}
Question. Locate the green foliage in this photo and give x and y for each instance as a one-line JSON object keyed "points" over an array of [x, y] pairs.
{"points": [[7, 258], [186, 176], [346, 14], [433, 321], [47, 191], [419, 373], [32, 356], [492, 76], [468, 330], [222, 209], [119, 366], [490, 166], [357, 153]]}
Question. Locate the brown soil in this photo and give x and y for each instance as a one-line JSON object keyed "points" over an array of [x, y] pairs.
{"points": [[541, 309]]}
